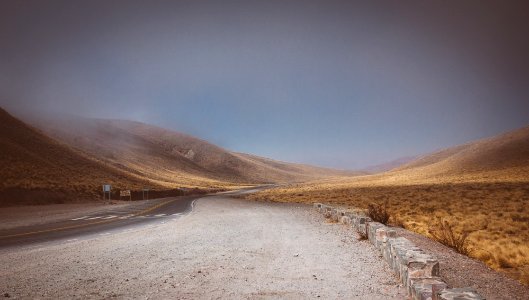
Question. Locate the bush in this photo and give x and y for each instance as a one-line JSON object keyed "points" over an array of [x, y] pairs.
{"points": [[397, 221], [443, 232], [378, 213]]}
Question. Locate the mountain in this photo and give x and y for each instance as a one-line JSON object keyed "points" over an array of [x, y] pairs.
{"points": [[390, 165], [59, 159], [170, 157], [504, 157], [35, 168]]}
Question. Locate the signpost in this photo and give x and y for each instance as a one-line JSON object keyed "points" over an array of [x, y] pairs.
{"points": [[125, 193], [106, 189], [145, 189]]}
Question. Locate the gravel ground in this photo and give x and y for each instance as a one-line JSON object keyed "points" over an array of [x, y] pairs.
{"points": [[225, 248], [461, 271]]}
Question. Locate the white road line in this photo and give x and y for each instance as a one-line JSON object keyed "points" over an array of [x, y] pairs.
{"points": [[81, 218], [72, 240], [93, 218], [177, 214], [109, 217], [160, 215]]}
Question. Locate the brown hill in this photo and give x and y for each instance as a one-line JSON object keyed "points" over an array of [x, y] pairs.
{"points": [[501, 158], [481, 188], [35, 168], [390, 165], [170, 157]]}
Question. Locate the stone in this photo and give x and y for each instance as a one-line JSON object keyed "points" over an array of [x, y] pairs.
{"points": [[420, 266], [316, 206], [327, 212], [345, 220], [372, 229], [382, 235], [457, 294], [360, 224], [423, 288]]}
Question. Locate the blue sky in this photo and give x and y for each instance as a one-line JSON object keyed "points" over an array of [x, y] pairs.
{"points": [[344, 84]]}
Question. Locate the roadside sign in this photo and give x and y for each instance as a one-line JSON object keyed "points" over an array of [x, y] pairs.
{"points": [[124, 193], [145, 189], [106, 189]]}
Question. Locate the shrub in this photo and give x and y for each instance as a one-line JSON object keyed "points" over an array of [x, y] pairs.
{"points": [[378, 213], [397, 221], [443, 232]]}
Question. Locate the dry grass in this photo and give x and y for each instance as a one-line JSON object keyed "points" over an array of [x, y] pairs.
{"points": [[444, 232], [496, 214], [480, 189], [378, 212]]}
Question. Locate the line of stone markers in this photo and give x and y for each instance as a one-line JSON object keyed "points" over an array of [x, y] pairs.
{"points": [[417, 270]]}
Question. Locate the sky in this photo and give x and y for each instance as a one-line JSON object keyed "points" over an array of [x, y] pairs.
{"points": [[343, 84]]}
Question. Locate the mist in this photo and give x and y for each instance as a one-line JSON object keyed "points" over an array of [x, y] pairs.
{"points": [[342, 84]]}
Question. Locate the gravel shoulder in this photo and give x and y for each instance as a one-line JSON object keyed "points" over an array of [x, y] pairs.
{"points": [[462, 271], [225, 248]]}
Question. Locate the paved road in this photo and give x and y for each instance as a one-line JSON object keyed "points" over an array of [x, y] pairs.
{"points": [[225, 248], [157, 210]]}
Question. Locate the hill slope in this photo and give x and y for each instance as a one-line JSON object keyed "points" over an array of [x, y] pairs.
{"points": [[481, 187], [170, 157], [501, 158], [34, 168]]}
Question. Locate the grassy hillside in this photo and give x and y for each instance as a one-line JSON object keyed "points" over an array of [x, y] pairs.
{"points": [[35, 168], [171, 157], [481, 187]]}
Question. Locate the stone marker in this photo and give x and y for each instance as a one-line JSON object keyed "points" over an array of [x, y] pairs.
{"points": [[372, 230], [457, 294], [418, 271], [423, 288]]}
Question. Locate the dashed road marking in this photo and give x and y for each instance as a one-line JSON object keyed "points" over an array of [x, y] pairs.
{"points": [[109, 217], [160, 215], [81, 218], [94, 218]]}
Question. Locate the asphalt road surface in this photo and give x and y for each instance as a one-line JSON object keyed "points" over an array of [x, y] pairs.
{"points": [[156, 210], [219, 248]]}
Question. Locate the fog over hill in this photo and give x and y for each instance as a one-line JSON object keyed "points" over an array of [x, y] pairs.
{"points": [[168, 155], [62, 159]]}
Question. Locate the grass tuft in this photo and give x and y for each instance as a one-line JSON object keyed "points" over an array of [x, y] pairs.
{"points": [[443, 232], [378, 212]]}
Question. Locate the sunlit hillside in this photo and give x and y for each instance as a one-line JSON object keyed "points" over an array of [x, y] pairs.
{"points": [[481, 187], [36, 169], [169, 156]]}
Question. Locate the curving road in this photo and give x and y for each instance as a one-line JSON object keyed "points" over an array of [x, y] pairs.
{"points": [[156, 210], [224, 248]]}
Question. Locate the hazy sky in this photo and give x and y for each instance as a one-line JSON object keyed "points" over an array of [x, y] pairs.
{"points": [[343, 84]]}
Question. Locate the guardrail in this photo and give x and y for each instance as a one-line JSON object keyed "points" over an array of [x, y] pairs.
{"points": [[417, 270]]}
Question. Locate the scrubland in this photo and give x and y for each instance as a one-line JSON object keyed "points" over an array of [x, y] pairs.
{"points": [[480, 188], [495, 214]]}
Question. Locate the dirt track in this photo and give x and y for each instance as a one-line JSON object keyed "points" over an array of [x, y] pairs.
{"points": [[225, 248]]}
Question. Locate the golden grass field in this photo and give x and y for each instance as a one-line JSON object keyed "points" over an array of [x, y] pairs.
{"points": [[481, 187], [497, 214]]}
